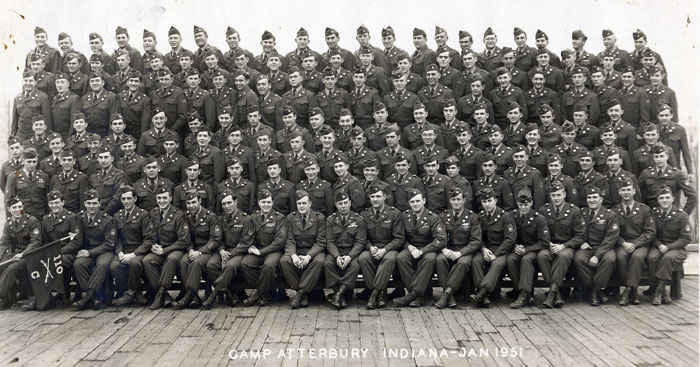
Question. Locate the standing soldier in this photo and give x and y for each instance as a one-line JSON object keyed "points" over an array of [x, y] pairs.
{"points": [[662, 174], [525, 56], [490, 59], [170, 100], [674, 135], [58, 224], [122, 38], [243, 189], [49, 54], [580, 95], [149, 184], [499, 236], [400, 102], [193, 182], [332, 99], [14, 164], [172, 58], [504, 94], [319, 190], [201, 39], [425, 237], [533, 236], [303, 259], [542, 41], [282, 191], [391, 52], [569, 150], [134, 239], [199, 100], [540, 95], [622, 57], [71, 183], [523, 176], [92, 261], [566, 225], [642, 157], [130, 162], [106, 181], [595, 258], [301, 99], [152, 142], [633, 100], [98, 105], [667, 251], [551, 131], [64, 105], [264, 237], [233, 40], [454, 262], [135, 107], [378, 57], [26, 105], [489, 179], [469, 156], [588, 177], [29, 184], [332, 38]]}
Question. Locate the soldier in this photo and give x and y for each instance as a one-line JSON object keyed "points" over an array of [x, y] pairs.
{"points": [[106, 181], [65, 45], [64, 105], [268, 42], [499, 236], [14, 164], [96, 251], [44, 80], [519, 78], [451, 127], [388, 155], [332, 38], [633, 100], [490, 59], [239, 61], [79, 81], [39, 140], [502, 153], [642, 157], [225, 264], [87, 163], [662, 174], [622, 57], [429, 150], [363, 97], [588, 177], [374, 135], [453, 263], [301, 99], [172, 162], [214, 70], [98, 105], [358, 155], [515, 128], [149, 184], [193, 182], [335, 62], [172, 58], [436, 185], [221, 93], [49, 54], [551, 131], [119, 79], [27, 104], [122, 38], [270, 103], [21, 233], [400, 102], [537, 157], [233, 40], [279, 80], [282, 190], [263, 154], [542, 41], [525, 56], [626, 136], [264, 237], [29, 185], [425, 237], [170, 241], [170, 100], [135, 106], [332, 99], [449, 75], [385, 237], [523, 176], [674, 135], [541, 94], [206, 239], [363, 39], [391, 52], [303, 259], [291, 130], [569, 150], [370, 172], [401, 181], [201, 39], [595, 258], [504, 94], [466, 41], [489, 178], [434, 95], [533, 236], [319, 190], [52, 163], [71, 183], [308, 63], [471, 72], [328, 154], [582, 57], [412, 135], [469, 157], [609, 146], [616, 177], [423, 56], [414, 82], [580, 95], [134, 239], [348, 184], [637, 232], [199, 100], [243, 189], [130, 162], [244, 99], [667, 251]]}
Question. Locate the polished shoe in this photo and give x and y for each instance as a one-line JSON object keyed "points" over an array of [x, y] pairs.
{"points": [[444, 298], [634, 297], [479, 297], [296, 301], [625, 297], [29, 306], [405, 300], [451, 302], [549, 300], [196, 301], [98, 305], [381, 300], [209, 302], [558, 300], [185, 301], [125, 300], [520, 301], [658, 295], [158, 299], [419, 301], [513, 294], [83, 304], [667, 300], [372, 302], [305, 301], [396, 293], [252, 300]]}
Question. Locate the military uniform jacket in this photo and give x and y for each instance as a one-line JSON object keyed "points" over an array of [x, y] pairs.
{"points": [[436, 192], [400, 186], [331, 102], [652, 179], [203, 189], [200, 54], [400, 106], [50, 55], [305, 236], [132, 167], [537, 97], [211, 163], [173, 102], [490, 59], [40, 143], [269, 106], [569, 155], [584, 180], [24, 107], [466, 106], [80, 84], [346, 235], [606, 94], [550, 136], [422, 58], [635, 103], [584, 96], [602, 230], [600, 157], [45, 82], [279, 81], [136, 110], [98, 108], [351, 186], [205, 231], [424, 230], [134, 55], [515, 134], [261, 159], [463, 86], [250, 133], [498, 231], [343, 79], [348, 58], [359, 159], [525, 58], [503, 156], [463, 231], [8, 168], [553, 78], [415, 82], [569, 186], [375, 134], [321, 195], [672, 228], [244, 191], [392, 56], [282, 138], [637, 226], [63, 106], [115, 141], [20, 235], [434, 98], [244, 100], [245, 155], [119, 79], [267, 233], [313, 80], [385, 229], [199, 100], [98, 236], [387, 158], [449, 131], [411, 135], [232, 229], [72, 185], [172, 231], [362, 102], [504, 193], [107, 183], [171, 167], [207, 77], [566, 225], [326, 160], [31, 188], [533, 232], [615, 180], [172, 59], [146, 190], [302, 100], [622, 57], [283, 200], [87, 163], [674, 136], [134, 231], [449, 77], [527, 178], [643, 159], [56, 226], [501, 98]]}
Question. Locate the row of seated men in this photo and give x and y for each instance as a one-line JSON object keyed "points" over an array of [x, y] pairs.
{"points": [[142, 251]]}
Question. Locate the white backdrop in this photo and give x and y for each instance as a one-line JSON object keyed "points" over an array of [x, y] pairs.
{"points": [[670, 26]]}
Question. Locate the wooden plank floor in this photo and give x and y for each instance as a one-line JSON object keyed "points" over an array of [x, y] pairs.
{"points": [[576, 335]]}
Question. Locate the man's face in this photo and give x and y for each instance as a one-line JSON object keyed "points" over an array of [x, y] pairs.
{"points": [[401, 167], [417, 203], [597, 79], [185, 62], [151, 170], [614, 162], [159, 120], [39, 127], [304, 205], [520, 40], [268, 44], [174, 41], [543, 59], [340, 168], [538, 80], [569, 136], [452, 170], [388, 41], [263, 85], [465, 43], [192, 172], [163, 200], [370, 173], [431, 168], [532, 137], [419, 41], [192, 205], [149, 43], [449, 112], [609, 41], [235, 170], [648, 61], [40, 39], [343, 206], [128, 148], [346, 122], [441, 38], [508, 59], [309, 63], [219, 81], [67, 163], [558, 197], [200, 38], [15, 150], [105, 159], [329, 81], [210, 61], [225, 119], [464, 137], [580, 118], [578, 79], [665, 201], [122, 40], [30, 163], [578, 43], [608, 62], [363, 39], [166, 80], [336, 61], [133, 84], [170, 146], [523, 208], [96, 65], [274, 63], [586, 163], [37, 66], [118, 126], [332, 40], [56, 205], [404, 65], [651, 137], [428, 137], [327, 140], [297, 144], [203, 138], [16, 209], [193, 81], [92, 206], [273, 170], [316, 121], [469, 60], [233, 40], [128, 200], [381, 116], [432, 77], [358, 141], [593, 200], [547, 118], [65, 44], [608, 137], [480, 116], [265, 204], [520, 159], [488, 167], [123, 61], [241, 61], [665, 116], [554, 168], [660, 159], [73, 65], [457, 202], [615, 112], [514, 115], [94, 146], [254, 118], [400, 83], [359, 79], [490, 41], [96, 84], [62, 85], [263, 142], [56, 145], [228, 204], [640, 43], [295, 79], [503, 80], [392, 139], [377, 199], [489, 204], [656, 78], [495, 138], [443, 59], [420, 115], [477, 87], [541, 43], [195, 125], [311, 171], [627, 79]]}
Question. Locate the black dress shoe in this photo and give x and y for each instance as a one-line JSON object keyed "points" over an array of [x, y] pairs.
{"points": [[417, 302], [372, 302], [124, 300], [83, 304], [296, 301], [549, 300], [158, 300], [29, 306], [305, 300], [558, 300], [634, 297], [209, 302], [252, 300], [451, 301], [184, 302], [405, 300], [381, 299]]}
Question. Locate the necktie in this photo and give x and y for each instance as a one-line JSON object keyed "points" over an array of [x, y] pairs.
{"points": [[556, 211], [303, 221], [627, 210]]}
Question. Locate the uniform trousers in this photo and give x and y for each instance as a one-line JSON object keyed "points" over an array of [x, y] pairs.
{"points": [[377, 273], [555, 266], [305, 279], [161, 269], [416, 273], [15, 272], [127, 275], [192, 271], [338, 277], [590, 276], [452, 273], [661, 265], [260, 271], [92, 272], [521, 269], [630, 265], [222, 274]]}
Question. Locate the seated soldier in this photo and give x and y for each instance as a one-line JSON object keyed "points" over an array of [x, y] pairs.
{"points": [[425, 237], [263, 239], [346, 239], [302, 262], [595, 259], [668, 249], [499, 236], [133, 241], [454, 262], [385, 238], [92, 261]]}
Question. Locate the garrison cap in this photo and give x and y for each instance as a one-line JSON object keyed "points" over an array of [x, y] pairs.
{"points": [[519, 148], [30, 153], [225, 110], [396, 73], [39, 30], [93, 137], [356, 131], [566, 53], [568, 127], [648, 126], [36, 57], [156, 110], [121, 30], [226, 193], [524, 196], [542, 51], [578, 34], [116, 116], [481, 106], [627, 69], [454, 192], [331, 31], [53, 195], [63, 35], [486, 193], [149, 160], [316, 111], [495, 129], [362, 30], [78, 116], [172, 31], [411, 193], [607, 33], [419, 32], [388, 31], [64, 76], [585, 154], [452, 161], [197, 29], [506, 50], [592, 190], [502, 70], [431, 67], [419, 106], [341, 196], [189, 163], [192, 72], [302, 32], [627, 182], [544, 108], [531, 127], [463, 34], [541, 34], [38, 117], [310, 162], [191, 194], [91, 194], [513, 105], [658, 149], [401, 156], [163, 190], [127, 139], [664, 107], [13, 200], [580, 70], [192, 115], [517, 31], [638, 34], [300, 194], [240, 72], [557, 186], [341, 158], [489, 32], [374, 188], [325, 130], [596, 68], [231, 161], [371, 162], [439, 30], [379, 106], [94, 36], [230, 30], [552, 157], [648, 53], [449, 103], [664, 189], [147, 33], [123, 189], [612, 103], [328, 72], [12, 140], [96, 57], [579, 107], [364, 50], [105, 149]]}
